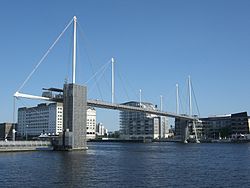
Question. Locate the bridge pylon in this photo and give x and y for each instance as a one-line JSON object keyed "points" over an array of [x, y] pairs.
{"points": [[74, 117]]}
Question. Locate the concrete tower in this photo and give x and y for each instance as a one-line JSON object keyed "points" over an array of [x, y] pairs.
{"points": [[74, 116]]}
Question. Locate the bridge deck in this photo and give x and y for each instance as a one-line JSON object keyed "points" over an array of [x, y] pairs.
{"points": [[101, 104]]}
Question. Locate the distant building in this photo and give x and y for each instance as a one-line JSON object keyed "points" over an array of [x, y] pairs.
{"points": [[6, 131], [101, 130], [114, 134], [164, 128], [91, 123], [43, 118], [214, 127], [139, 125]]}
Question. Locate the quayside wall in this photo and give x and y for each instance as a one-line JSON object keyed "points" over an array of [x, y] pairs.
{"points": [[6, 146]]}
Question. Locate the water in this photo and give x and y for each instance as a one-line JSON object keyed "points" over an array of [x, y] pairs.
{"points": [[130, 165]]}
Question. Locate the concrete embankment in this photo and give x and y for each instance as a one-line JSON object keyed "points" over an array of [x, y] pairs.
{"points": [[10, 146], [115, 140]]}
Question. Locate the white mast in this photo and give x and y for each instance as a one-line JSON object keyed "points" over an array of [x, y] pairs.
{"points": [[140, 97], [177, 99], [14, 119], [113, 80], [190, 96], [190, 108], [74, 54], [161, 103]]}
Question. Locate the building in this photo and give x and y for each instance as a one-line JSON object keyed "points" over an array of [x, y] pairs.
{"points": [[164, 130], [6, 131], [188, 130], [43, 118], [139, 125], [48, 119], [181, 129], [91, 123], [226, 125], [239, 123], [101, 130], [214, 127]]}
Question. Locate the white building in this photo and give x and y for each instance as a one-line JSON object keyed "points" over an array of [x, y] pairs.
{"points": [[48, 118], [101, 130], [140, 126], [91, 123], [43, 118], [164, 132]]}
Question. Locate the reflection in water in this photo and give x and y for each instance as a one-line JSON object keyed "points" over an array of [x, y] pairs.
{"points": [[130, 165], [71, 168]]}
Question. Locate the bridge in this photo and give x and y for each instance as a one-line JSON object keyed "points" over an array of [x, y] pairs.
{"points": [[75, 103], [122, 107], [112, 106]]}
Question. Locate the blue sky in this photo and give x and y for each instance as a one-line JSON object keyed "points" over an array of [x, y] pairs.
{"points": [[156, 44]]}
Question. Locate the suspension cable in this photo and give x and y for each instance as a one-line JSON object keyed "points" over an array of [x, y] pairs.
{"points": [[45, 55], [123, 85], [181, 102], [100, 76], [128, 84], [103, 67], [70, 52], [195, 100], [187, 100], [88, 57]]}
